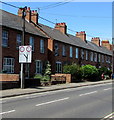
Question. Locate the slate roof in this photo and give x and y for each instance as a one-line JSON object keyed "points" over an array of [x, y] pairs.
{"points": [[13, 21], [73, 40]]}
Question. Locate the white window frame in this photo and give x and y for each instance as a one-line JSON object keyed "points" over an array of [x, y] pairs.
{"points": [[71, 52], [19, 40], [39, 67], [102, 58], [99, 56], [31, 42], [91, 56], [56, 47], [42, 46], [95, 57], [86, 54], [82, 54], [8, 67], [63, 50], [77, 52], [4, 38], [58, 67]]}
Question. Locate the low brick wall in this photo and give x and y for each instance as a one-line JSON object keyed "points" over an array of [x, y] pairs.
{"points": [[9, 77], [68, 77], [9, 81]]}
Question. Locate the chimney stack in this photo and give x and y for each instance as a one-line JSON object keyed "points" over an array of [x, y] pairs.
{"points": [[105, 43], [96, 40], [34, 16], [62, 27], [30, 15], [81, 35]]}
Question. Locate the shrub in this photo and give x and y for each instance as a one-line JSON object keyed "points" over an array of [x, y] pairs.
{"points": [[45, 78], [38, 76], [105, 71], [89, 72], [74, 70]]}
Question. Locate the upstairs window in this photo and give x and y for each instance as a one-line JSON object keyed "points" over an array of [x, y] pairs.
{"points": [[56, 47], [95, 57], [99, 58], [82, 54], [64, 50], [8, 65], [76, 52], [86, 55], [19, 39], [4, 38], [41, 46], [31, 42], [102, 58], [91, 57], [71, 51]]}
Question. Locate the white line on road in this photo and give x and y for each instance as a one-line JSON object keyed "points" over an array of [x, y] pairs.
{"points": [[87, 93], [7, 112], [107, 89], [108, 116], [52, 101]]}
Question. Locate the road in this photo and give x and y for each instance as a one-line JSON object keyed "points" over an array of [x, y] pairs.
{"points": [[83, 102]]}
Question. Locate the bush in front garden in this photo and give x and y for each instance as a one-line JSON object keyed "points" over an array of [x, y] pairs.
{"points": [[105, 71], [74, 70], [89, 72]]}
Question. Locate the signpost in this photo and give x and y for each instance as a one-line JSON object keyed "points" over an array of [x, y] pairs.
{"points": [[25, 53], [25, 56]]}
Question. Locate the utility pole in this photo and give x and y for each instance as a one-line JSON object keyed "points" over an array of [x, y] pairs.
{"points": [[22, 44]]}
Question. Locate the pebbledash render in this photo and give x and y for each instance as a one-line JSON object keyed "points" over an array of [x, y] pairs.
{"points": [[49, 44]]}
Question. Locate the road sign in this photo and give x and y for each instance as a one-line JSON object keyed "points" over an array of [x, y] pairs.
{"points": [[25, 54]]}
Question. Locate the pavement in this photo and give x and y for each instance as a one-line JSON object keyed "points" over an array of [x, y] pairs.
{"points": [[19, 91]]}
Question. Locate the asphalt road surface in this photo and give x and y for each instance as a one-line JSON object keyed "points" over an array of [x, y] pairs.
{"points": [[84, 102]]}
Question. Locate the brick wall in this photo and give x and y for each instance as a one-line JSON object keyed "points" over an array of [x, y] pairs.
{"points": [[9, 77], [12, 51]]}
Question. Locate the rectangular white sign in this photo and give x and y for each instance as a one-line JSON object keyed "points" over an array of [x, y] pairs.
{"points": [[25, 54]]}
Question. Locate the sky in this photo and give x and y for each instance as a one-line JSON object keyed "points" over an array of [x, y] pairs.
{"points": [[93, 17]]}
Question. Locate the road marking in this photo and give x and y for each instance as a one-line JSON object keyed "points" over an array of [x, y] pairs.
{"points": [[7, 112], [87, 93], [109, 116], [2, 102], [52, 101], [107, 89]]}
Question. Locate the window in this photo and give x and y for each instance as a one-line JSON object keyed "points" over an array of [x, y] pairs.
{"points": [[99, 58], [102, 58], [76, 52], [107, 59], [58, 67], [91, 57], [70, 51], [4, 38], [56, 49], [31, 42], [86, 55], [95, 57], [64, 50], [19, 39], [8, 65], [82, 53], [39, 66], [41, 46]]}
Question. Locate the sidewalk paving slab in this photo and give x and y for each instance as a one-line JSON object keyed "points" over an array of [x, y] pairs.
{"points": [[19, 91]]}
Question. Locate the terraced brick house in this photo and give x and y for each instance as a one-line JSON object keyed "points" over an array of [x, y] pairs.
{"points": [[52, 44], [11, 36]]}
